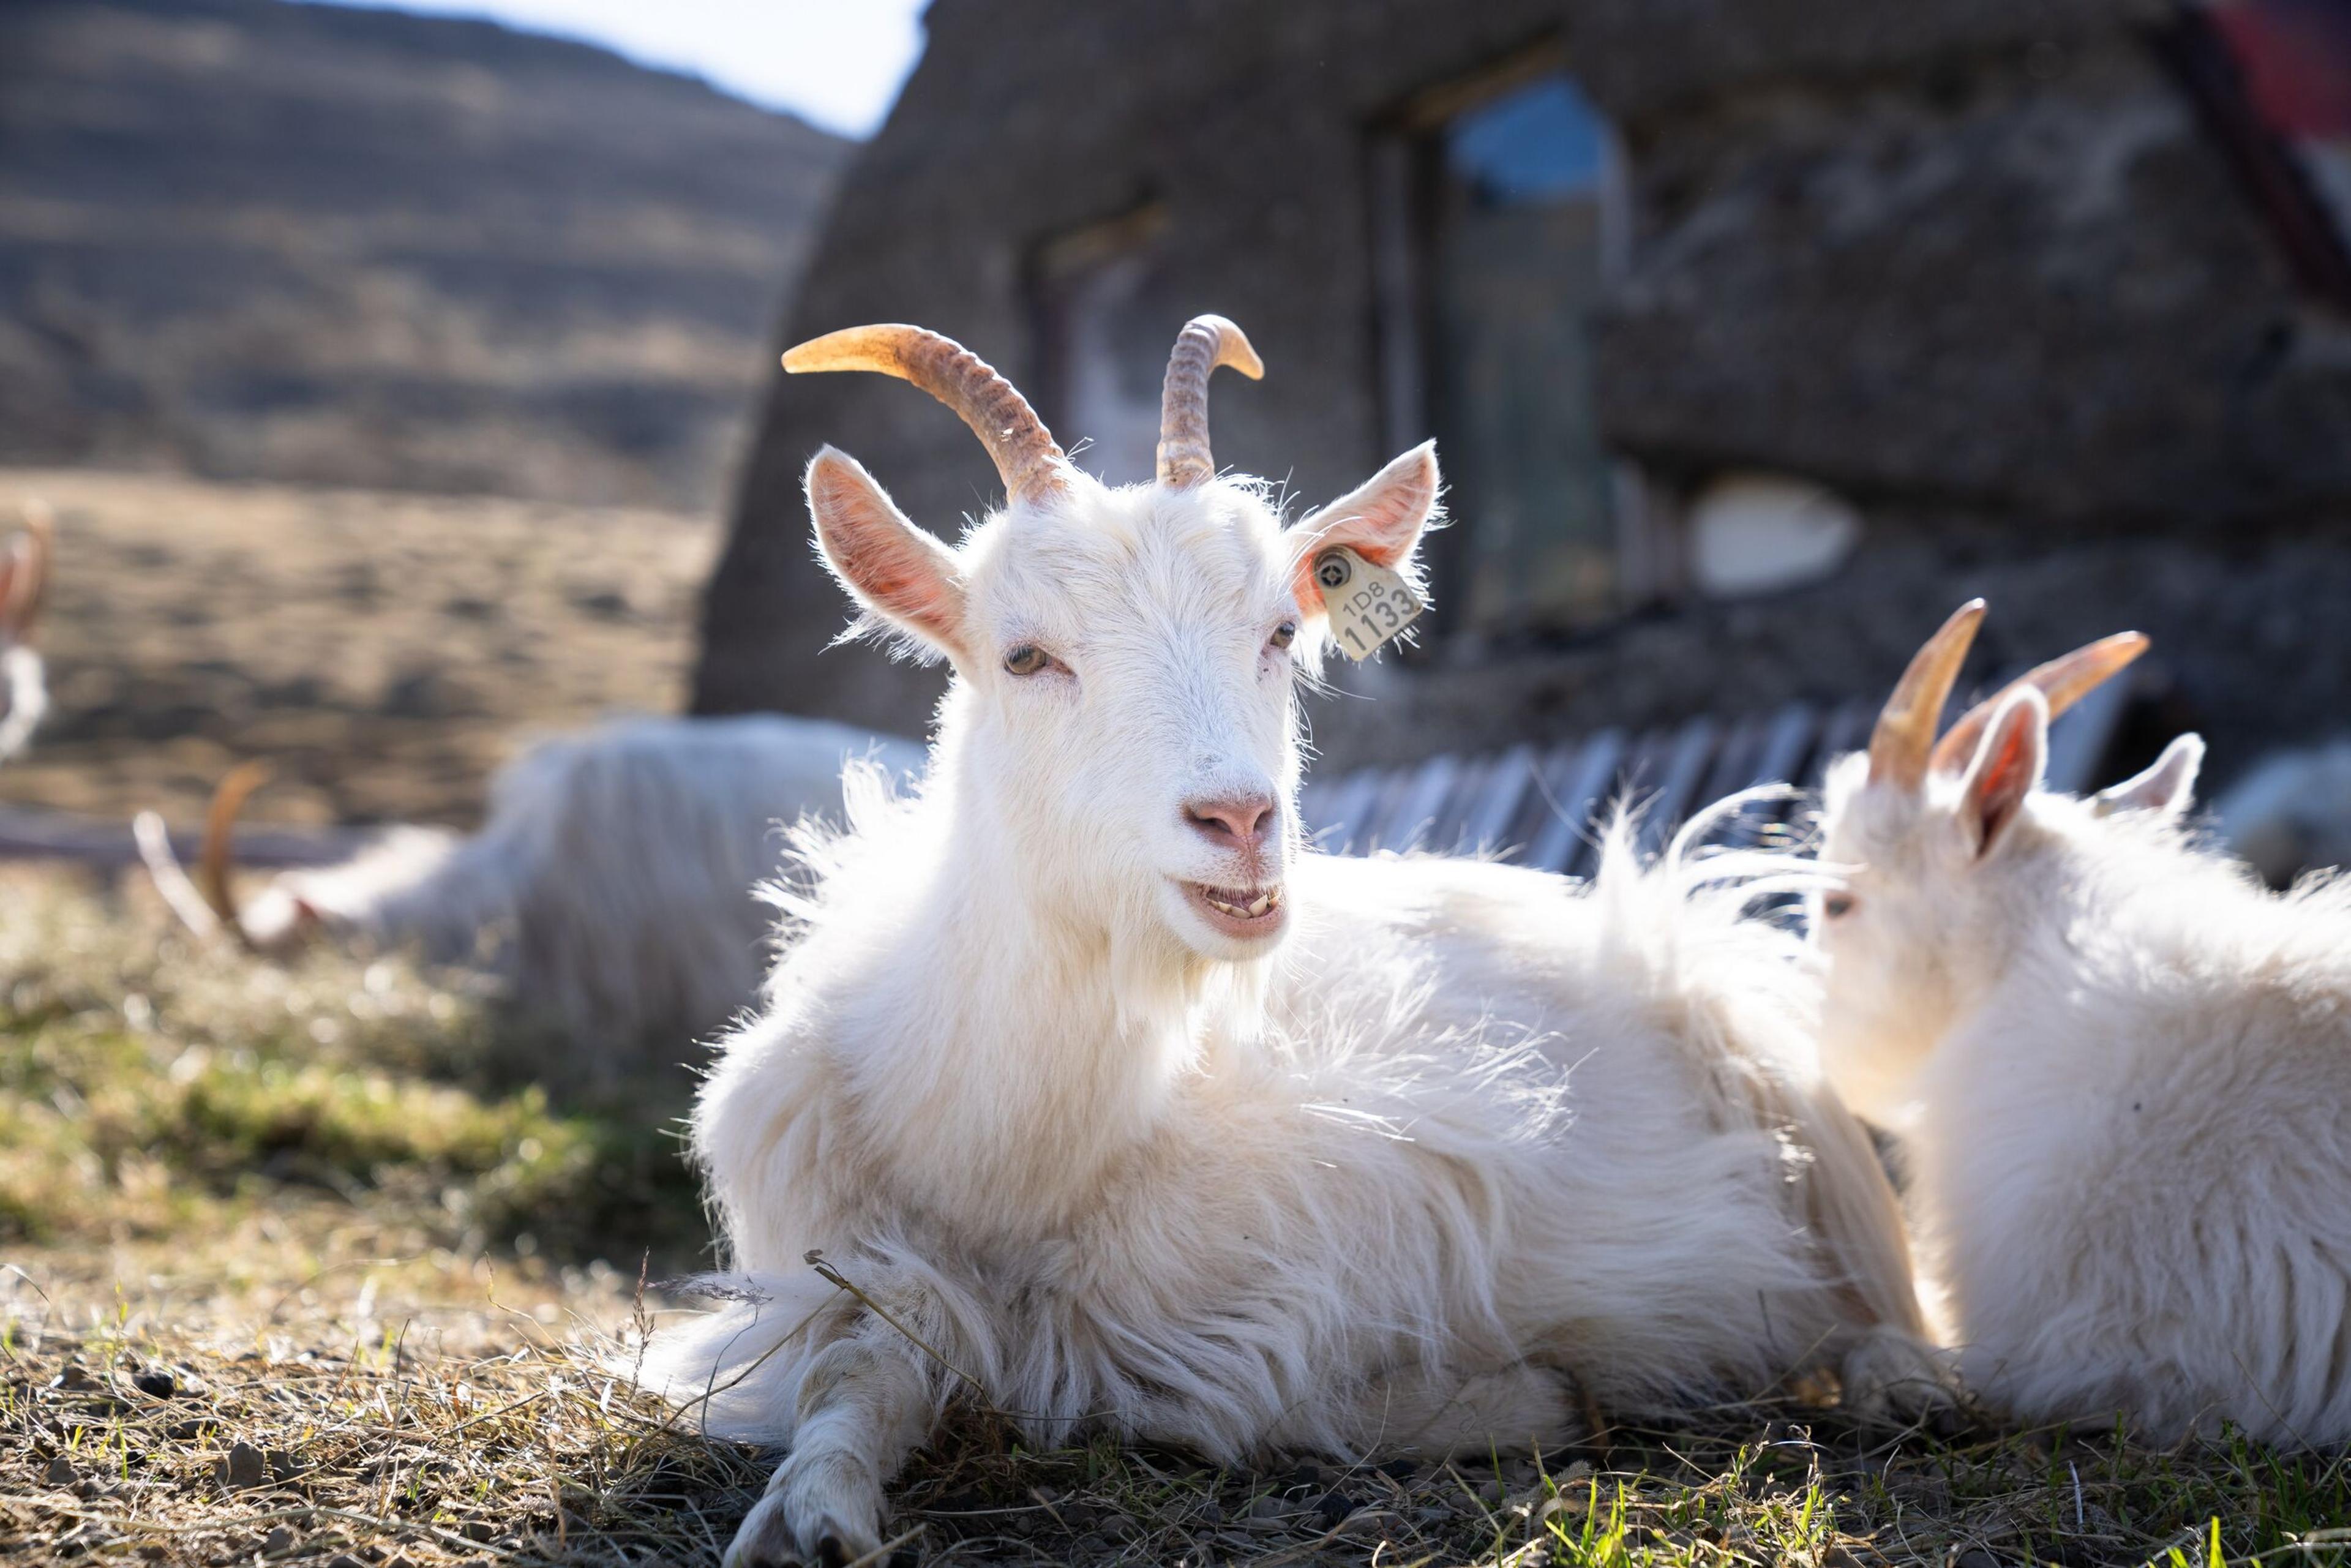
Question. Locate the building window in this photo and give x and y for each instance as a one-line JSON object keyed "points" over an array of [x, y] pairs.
{"points": [[1499, 210], [1103, 305]]}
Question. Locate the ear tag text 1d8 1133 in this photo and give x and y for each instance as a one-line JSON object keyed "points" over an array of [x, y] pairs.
{"points": [[1369, 604]]}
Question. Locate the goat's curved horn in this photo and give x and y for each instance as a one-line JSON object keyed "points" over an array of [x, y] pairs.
{"points": [[218, 858], [1205, 343], [169, 877], [1032, 465], [1905, 726], [2063, 681], [28, 582]]}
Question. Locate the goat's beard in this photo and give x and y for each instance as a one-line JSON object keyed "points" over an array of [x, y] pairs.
{"points": [[1155, 977], [1161, 984]]}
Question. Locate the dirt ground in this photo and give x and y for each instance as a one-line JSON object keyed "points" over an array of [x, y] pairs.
{"points": [[383, 652], [319, 1263], [307, 1264]]}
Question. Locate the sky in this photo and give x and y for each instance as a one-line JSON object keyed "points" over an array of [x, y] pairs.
{"points": [[836, 63]]}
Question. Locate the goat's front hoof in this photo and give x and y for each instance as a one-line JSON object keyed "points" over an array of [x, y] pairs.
{"points": [[1893, 1379], [765, 1539], [814, 1516]]}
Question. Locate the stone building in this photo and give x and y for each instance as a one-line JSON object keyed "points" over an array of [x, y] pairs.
{"points": [[1755, 334]]}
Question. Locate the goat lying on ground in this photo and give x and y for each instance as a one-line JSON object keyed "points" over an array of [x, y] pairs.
{"points": [[613, 885], [2122, 1071], [24, 585], [1044, 1083]]}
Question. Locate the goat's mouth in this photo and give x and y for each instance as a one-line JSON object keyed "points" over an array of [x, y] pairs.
{"points": [[1244, 911]]}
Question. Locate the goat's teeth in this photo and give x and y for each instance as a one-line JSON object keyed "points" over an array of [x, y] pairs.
{"points": [[1255, 909]]}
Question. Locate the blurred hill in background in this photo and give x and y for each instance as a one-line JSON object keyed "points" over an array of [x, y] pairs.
{"points": [[247, 238]]}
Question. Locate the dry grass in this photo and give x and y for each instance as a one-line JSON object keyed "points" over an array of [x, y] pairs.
{"points": [[375, 1436], [389, 1284], [339, 1435], [383, 652]]}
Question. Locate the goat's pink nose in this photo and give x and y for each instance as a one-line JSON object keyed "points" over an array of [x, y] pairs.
{"points": [[1242, 819]]}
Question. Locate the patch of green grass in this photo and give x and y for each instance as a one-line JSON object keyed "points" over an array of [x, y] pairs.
{"points": [[1769, 1483], [148, 1083]]}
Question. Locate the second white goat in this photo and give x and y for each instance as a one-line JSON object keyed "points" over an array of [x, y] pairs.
{"points": [[614, 886], [2121, 1070]]}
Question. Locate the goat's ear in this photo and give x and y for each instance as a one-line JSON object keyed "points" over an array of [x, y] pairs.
{"points": [[2166, 788], [2006, 767], [1381, 520], [901, 575], [25, 573]]}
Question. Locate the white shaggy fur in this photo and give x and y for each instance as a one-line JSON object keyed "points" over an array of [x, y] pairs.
{"points": [[614, 885], [24, 697], [2123, 1076], [2292, 814], [1472, 1145]]}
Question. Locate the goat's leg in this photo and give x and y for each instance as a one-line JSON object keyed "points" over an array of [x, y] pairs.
{"points": [[864, 1404], [1892, 1377], [1437, 1413], [1891, 1370]]}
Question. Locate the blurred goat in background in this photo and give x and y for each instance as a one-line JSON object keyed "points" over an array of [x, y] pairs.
{"points": [[615, 887], [24, 567], [2292, 814]]}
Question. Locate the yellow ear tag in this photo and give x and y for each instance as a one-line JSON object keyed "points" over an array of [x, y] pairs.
{"points": [[1369, 604]]}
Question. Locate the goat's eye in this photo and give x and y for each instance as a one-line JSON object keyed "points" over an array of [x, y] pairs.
{"points": [[1026, 659], [1284, 634], [1836, 905]]}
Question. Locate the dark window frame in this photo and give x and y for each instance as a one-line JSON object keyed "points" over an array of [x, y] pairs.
{"points": [[1403, 170], [1054, 267]]}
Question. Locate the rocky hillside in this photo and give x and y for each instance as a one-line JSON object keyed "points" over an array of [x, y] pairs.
{"points": [[259, 239]]}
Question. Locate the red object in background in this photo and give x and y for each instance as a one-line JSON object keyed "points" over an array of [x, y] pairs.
{"points": [[2273, 80], [2294, 57]]}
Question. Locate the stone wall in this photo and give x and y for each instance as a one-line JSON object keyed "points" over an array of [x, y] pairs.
{"points": [[1029, 117], [2252, 646], [1972, 262], [2030, 282]]}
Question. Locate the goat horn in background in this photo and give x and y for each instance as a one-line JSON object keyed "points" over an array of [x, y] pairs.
{"points": [[169, 877], [218, 859]]}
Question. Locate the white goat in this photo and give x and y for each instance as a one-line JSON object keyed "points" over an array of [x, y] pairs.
{"points": [[1062, 1110], [23, 586], [613, 887], [2292, 814], [2123, 1071]]}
